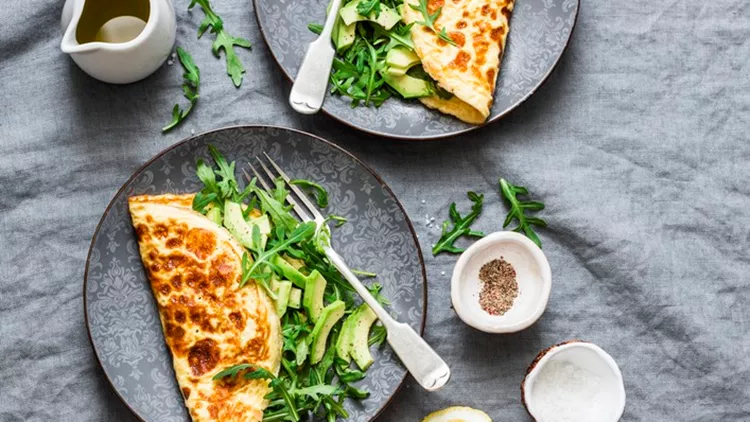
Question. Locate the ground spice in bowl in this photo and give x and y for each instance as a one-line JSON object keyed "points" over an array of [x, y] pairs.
{"points": [[499, 286]]}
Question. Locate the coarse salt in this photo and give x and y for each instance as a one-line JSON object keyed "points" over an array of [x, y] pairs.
{"points": [[566, 392]]}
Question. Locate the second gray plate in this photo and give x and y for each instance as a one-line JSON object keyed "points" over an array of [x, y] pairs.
{"points": [[539, 32]]}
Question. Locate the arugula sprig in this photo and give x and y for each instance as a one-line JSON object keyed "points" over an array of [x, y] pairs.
{"points": [[428, 20], [224, 41], [303, 232], [191, 80], [318, 191], [366, 7], [461, 226], [518, 208], [216, 191], [256, 372]]}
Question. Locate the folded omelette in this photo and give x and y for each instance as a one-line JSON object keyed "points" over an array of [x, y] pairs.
{"points": [[209, 322], [469, 69]]}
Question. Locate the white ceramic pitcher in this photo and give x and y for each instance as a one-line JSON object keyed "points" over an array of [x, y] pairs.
{"points": [[118, 41]]}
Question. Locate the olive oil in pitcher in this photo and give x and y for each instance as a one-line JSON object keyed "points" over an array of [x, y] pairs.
{"points": [[112, 21]]}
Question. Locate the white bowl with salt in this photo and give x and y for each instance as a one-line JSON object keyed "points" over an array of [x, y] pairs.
{"points": [[574, 381]]}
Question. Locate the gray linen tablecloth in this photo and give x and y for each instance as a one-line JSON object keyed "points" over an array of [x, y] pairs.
{"points": [[637, 144]]}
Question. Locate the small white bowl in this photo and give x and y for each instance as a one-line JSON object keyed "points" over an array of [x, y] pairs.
{"points": [[533, 275], [593, 359]]}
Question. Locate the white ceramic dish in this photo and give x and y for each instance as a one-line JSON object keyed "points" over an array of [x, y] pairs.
{"points": [[121, 62], [533, 275], [590, 357]]}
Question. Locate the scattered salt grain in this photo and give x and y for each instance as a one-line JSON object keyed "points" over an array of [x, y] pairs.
{"points": [[192, 131], [442, 272], [566, 392], [423, 201]]}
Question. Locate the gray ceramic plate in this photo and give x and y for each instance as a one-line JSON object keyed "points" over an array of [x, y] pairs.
{"points": [[539, 32], [121, 314]]}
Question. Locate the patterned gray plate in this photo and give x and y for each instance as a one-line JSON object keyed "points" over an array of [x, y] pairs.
{"points": [[539, 32], [121, 313]]}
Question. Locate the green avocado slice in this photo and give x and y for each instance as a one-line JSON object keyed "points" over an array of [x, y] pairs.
{"points": [[312, 298], [387, 18], [329, 316], [364, 317]]}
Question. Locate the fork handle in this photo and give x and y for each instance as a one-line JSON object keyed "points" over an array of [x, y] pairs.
{"points": [[424, 364]]}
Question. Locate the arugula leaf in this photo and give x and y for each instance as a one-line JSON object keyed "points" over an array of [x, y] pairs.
{"points": [[340, 221], [362, 273], [206, 175], [216, 191], [375, 289], [366, 7], [318, 191], [378, 335], [356, 392], [348, 375], [303, 232], [314, 390], [302, 351], [279, 214], [191, 80], [315, 28], [256, 372], [517, 209], [428, 20], [223, 40], [443, 35], [260, 279], [460, 226]]}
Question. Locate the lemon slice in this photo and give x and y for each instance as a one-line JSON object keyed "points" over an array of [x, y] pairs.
{"points": [[457, 414]]}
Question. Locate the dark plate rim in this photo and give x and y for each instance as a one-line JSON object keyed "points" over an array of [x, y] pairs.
{"points": [[493, 119], [250, 126]]}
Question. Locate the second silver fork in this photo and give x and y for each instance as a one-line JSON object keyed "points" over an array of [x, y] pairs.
{"points": [[425, 365]]}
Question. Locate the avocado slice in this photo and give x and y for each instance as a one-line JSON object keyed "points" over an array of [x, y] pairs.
{"points": [[290, 272], [294, 262], [283, 290], [407, 86], [343, 35], [214, 214], [395, 71], [401, 57], [295, 298], [329, 316], [344, 342], [387, 18], [360, 336], [243, 230], [312, 298]]}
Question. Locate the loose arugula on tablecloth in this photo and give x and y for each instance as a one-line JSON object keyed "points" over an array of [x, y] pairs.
{"points": [[191, 81], [518, 208], [301, 388], [461, 226], [224, 41]]}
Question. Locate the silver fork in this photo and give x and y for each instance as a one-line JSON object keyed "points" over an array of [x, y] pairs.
{"points": [[309, 88], [424, 364]]}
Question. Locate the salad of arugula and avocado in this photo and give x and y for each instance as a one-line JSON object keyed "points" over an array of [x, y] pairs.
{"points": [[324, 328], [376, 57]]}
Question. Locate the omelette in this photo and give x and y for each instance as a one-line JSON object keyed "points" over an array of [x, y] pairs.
{"points": [[468, 70], [209, 322]]}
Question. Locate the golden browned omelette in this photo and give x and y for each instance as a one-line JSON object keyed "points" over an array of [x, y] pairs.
{"points": [[469, 69], [209, 322]]}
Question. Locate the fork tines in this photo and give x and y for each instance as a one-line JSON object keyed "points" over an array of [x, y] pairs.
{"points": [[302, 211]]}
